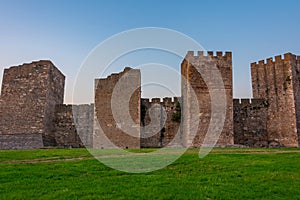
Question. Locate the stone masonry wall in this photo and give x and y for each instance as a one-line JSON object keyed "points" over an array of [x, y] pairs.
{"points": [[277, 81], [28, 98], [21, 141], [74, 125], [32, 114], [160, 130], [105, 124], [296, 88], [191, 76], [250, 122]]}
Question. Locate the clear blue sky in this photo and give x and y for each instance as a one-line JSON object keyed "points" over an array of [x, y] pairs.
{"points": [[65, 31]]}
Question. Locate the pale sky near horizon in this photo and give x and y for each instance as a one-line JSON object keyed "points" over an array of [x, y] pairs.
{"points": [[65, 31]]}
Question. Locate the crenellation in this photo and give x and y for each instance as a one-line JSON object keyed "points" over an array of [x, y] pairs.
{"points": [[164, 125], [253, 64], [210, 53], [236, 102], [196, 81], [176, 99], [200, 53], [261, 63], [32, 100], [269, 61], [273, 82], [146, 100], [248, 101], [288, 56], [167, 100], [219, 54], [278, 58], [191, 55], [228, 55], [155, 100], [245, 101]]}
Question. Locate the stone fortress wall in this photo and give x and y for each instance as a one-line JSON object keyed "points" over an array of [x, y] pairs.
{"points": [[166, 118], [209, 66], [32, 113], [105, 124], [73, 125], [277, 81], [250, 122], [28, 98]]}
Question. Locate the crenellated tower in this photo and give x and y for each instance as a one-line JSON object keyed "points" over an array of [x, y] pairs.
{"points": [[222, 63], [277, 81]]}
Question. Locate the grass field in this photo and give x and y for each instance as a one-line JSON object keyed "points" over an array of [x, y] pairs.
{"points": [[223, 174]]}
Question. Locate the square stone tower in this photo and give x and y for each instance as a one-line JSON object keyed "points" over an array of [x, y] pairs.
{"points": [[27, 104], [278, 81], [191, 76], [111, 131]]}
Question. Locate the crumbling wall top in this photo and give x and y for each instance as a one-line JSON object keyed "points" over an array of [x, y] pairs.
{"points": [[116, 76], [26, 66]]}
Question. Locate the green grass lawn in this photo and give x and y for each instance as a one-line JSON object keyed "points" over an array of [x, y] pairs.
{"points": [[223, 174]]}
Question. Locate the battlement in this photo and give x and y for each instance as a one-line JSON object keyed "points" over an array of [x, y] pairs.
{"points": [[209, 54], [276, 59], [250, 101], [163, 100]]}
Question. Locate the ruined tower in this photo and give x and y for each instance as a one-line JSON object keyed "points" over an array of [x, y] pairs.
{"points": [[191, 76], [278, 81], [108, 131], [28, 98]]}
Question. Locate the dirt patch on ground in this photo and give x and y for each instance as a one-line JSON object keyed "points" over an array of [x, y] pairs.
{"points": [[68, 159]]}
